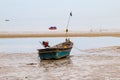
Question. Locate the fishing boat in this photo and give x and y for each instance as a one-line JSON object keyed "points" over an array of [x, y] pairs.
{"points": [[58, 51]]}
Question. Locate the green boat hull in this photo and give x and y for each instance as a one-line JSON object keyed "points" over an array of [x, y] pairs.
{"points": [[57, 54]]}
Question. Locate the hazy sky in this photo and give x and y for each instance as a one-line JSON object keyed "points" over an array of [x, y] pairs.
{"points": [[41, 14]]}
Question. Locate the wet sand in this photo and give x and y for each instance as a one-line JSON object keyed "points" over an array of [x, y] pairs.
{"points": [[93, 64], [59, 34]]}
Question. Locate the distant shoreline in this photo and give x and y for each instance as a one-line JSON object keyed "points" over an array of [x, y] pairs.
{"points": [[57, 34]]}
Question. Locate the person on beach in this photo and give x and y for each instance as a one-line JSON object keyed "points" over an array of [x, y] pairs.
{"points": [[45, 44]]}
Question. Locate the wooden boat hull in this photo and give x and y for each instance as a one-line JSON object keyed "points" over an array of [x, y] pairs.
{"points": [[56, 52]]}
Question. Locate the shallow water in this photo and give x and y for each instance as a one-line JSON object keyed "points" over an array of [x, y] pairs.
{"points": [[28, 45]]}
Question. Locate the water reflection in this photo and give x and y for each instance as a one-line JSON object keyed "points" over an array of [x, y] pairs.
{"points": [[49, 65]]}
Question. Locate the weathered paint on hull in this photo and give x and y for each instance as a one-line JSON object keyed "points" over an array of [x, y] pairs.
{"points": [[55, 55]]}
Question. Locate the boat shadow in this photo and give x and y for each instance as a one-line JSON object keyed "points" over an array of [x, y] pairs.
{"points": [[52, 64]]}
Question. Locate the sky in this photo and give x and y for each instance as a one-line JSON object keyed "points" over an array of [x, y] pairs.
{"points": [[39, 15]]}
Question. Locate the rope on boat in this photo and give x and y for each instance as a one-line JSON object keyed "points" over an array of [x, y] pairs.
{"points": [[79, 49]]}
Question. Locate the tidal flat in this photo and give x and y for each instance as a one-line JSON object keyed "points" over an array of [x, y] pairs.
{"points": [[91, 64]]}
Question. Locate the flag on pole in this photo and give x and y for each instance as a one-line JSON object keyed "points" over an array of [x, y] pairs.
{"points": [[70, 13]]}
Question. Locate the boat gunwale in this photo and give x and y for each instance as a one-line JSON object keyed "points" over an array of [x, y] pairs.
{"points": [[54, 50]]}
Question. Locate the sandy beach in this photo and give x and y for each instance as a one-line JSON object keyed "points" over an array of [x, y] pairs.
{"points": [[92, 64], [26, 34]]}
